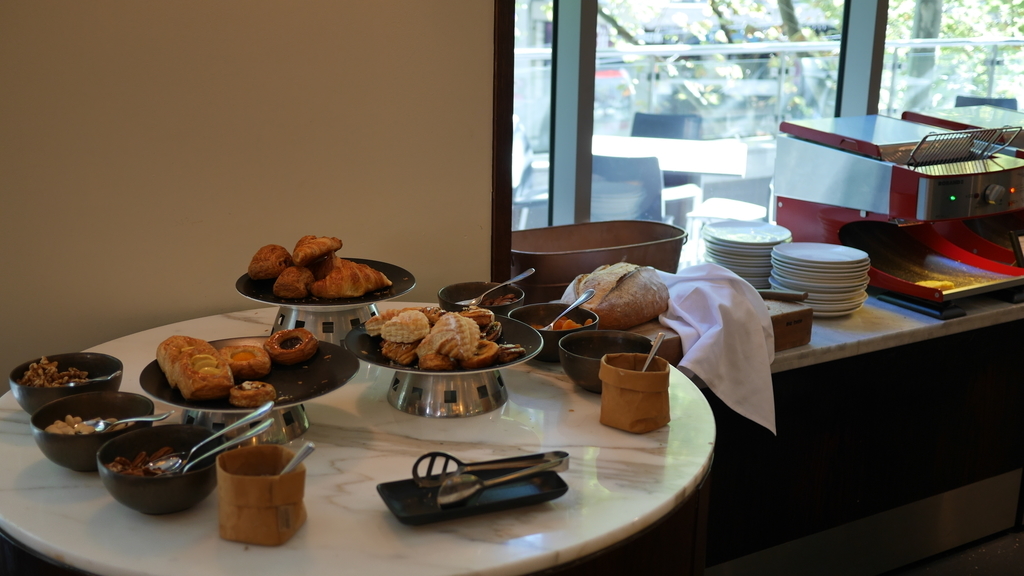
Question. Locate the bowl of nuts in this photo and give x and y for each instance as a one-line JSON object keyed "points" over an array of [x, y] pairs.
{"points": [[43, 380], [501, 301], [122, 463], [62, 433]]}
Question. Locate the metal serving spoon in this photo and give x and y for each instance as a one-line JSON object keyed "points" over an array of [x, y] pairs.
{"points": [[101, 425], [437, 464], [259, 429], [476, 301], [583, 298], [177, 460], [456, 489], [306, 450], [95, 380], [654, 350]]}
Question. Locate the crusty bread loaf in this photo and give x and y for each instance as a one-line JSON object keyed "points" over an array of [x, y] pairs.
{"points": [[625, 294], [195, 368]]}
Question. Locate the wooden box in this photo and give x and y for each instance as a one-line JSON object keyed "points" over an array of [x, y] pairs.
{"points": [[791, 322]]}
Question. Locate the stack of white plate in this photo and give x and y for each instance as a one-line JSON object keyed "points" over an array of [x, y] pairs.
{"points": [[744, 247], [835, 277]]}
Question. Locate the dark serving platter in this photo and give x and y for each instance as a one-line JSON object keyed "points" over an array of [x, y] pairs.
{"points": [[414, 505], [402, 281], [367, 347], [328, 369]]}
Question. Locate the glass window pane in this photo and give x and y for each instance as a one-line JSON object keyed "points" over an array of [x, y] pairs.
{"points": [[532, 114]]}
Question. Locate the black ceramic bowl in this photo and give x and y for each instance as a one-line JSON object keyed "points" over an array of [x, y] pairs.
{"points": [[166, 493], [581, 353], [538, 315], [32, 398], [449, 295], [78, 451]]}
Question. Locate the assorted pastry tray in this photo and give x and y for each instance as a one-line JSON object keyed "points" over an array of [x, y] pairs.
{"points": [[330, 368], [402, 281]]}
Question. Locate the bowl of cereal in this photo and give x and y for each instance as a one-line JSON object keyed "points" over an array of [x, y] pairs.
{"points": [[540, 315], [54, 425], [121, 463], [501, 301], [43, 380]]}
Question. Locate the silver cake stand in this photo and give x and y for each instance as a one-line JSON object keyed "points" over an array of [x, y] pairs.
{"points": [[447, 394], [328, 319], [329, 369]]}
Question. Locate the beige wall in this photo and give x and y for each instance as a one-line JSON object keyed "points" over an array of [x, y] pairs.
{"points": [[147, 149]]}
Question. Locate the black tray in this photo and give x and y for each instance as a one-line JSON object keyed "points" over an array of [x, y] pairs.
{"points": [[367, 348], [328, 369], [414, 505], [402, 281]]}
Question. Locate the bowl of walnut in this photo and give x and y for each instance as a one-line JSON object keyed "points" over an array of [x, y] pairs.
{"points": [[59, 430], [501, 301], [43, 380], [122, 466]]}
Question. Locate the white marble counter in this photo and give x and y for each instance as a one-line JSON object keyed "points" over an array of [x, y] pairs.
{"points": [[619, 483], [880, 325]]}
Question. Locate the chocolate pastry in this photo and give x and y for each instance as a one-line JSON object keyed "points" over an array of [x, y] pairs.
{"points": [[486, 355], [294, 282], [269, 262]]}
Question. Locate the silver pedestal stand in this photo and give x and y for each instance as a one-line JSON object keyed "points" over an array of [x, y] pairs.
{"points": [[327, 323], [289, 423]]}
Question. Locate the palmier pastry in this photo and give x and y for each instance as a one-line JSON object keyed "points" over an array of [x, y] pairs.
{"points": [[509, 352], [433, 313], [309, 248], [269, 262], [247, 362], [250, 394], [294, 282], [349, 280], [437, 362], [482, 316], [492, 332], [291, 346], [399, 352], [195, 368], [486, 355]]}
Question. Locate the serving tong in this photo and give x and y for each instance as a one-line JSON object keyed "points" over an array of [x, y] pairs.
{"points": [[433, 468]]}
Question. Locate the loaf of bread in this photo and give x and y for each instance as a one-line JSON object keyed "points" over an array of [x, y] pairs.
{"points": [[625, 295], [195, 368]]}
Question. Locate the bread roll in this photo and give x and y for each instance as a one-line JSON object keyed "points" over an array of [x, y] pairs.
{"points": [[195, 368], [625, 295]]}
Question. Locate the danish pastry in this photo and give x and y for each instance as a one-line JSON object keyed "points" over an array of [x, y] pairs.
{"points": [[349, 280], [437, 362], [247, 362], [195, 368], [250, 394], [294, 282], [291, 346], [309, 248], [399, 353], [453, 335], [409, 326], [482, 316], [269, 262], [509, 352]]}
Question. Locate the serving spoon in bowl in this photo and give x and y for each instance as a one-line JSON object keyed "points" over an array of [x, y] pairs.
{"points": [[581, 300], [101, 425], [476, 301], [94, 380]]}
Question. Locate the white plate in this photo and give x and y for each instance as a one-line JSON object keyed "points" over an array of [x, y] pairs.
{"points": [[811, 275], [813, 289], [729, 263], [742, 232], [834, 299], [820, 253], [837, 306], [821, 269], [817, 314], [756, 256], [759, 251], [786, 276]]}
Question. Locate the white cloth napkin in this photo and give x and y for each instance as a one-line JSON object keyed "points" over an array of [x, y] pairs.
{"points": [[726, 335]]}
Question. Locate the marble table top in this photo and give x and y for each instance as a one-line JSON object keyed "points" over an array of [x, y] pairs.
{"points": [[619, 483], [880, 325]]}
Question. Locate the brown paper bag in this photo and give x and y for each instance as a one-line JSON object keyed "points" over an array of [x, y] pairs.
{"points": [[255, 504], [632, 400]]}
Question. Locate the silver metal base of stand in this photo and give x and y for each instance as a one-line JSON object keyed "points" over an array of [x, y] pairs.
{"points": [[447, 395], [289, 424], [327, 324]]}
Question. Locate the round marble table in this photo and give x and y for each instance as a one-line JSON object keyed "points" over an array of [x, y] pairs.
{"points": [[619, 483]]}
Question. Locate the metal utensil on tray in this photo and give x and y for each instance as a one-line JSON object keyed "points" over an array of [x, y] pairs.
{"points": [[300, 455], [654, 350], [457, 489], [95, 380], [433, 468], [476, 301], [579, 301]]}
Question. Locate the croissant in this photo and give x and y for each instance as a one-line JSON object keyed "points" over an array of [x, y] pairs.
{"points": [[349, 280], [309, 248], [269, 261]]}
